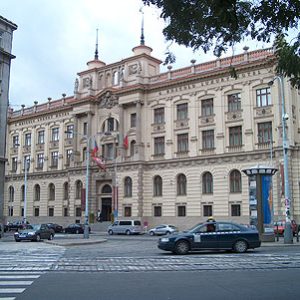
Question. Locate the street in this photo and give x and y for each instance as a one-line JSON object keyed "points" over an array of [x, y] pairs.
{"points": [[132, 267]]}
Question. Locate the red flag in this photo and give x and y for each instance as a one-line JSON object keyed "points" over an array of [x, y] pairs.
{"points": [[125, 142], [95, 150], [99, 162]]}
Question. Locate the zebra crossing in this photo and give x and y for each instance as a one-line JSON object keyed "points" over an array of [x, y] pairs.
{"points": [[22, 264]]}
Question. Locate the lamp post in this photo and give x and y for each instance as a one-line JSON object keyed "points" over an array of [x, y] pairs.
{"points": [[288, 235], [26, 165]]}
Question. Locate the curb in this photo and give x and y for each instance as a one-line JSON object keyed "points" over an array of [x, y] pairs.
{"points": [[75, 243]]}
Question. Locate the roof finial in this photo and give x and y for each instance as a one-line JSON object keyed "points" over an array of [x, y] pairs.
{"points": [[142, 42], [96, 50]]}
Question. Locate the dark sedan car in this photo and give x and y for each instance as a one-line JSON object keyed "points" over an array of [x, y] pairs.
{"points": [[212, 236], [75, 228], [57, 228], [34, 232]]}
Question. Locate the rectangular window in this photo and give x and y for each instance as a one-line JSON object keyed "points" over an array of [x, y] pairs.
{"points": [[133, 120], [207, 211], [41, 137], [70, 131], [110, 124], [55, 134], [69, 153], [182, 111], [235, 210], [159, 115], [15, 141], [157, 211], [27, 139], [183, 142], [263, 97], [264, 132], [235, 136], [22, 212], [181, 210], [10, 211], [234, 102], [36, 211], [208, 139], [14, 164], [78, 211], [110, 151], [127, 211], [40, 160], [54, 159], [51, 211], [66, 212], [85, 128], [159, 145], [26, 162], [207, 107]]}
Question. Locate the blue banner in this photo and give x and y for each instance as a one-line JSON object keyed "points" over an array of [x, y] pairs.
{"points": [[267, 199]]}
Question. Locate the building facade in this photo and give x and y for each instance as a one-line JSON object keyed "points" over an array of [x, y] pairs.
{"points": [[6, 36], [172, 145]]}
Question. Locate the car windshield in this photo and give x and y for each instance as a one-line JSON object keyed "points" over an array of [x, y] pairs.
{"points": [[36, 226], [195, 228]]}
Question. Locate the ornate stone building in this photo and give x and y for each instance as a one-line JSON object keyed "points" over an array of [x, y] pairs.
{"points": [[173, 143], [6, 35]]}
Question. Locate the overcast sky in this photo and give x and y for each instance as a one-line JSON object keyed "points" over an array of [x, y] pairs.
{"points": [[56, 38]]}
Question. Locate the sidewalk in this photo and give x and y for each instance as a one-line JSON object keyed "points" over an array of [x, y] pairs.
{"points": [[77, 240]]}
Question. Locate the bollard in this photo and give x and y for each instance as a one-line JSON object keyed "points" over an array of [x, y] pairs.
{"points": [[277, 233]]}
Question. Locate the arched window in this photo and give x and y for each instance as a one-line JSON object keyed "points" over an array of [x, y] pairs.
{"points": [[235, 182], [207, 183], [181, 185], [51, 189], [84, 154], [157, 186], [127, 187], [132, 147], [37, 192], [22, 192], [106, 189], [78, 187], [116, 78], [66, 191], [11, 192]]}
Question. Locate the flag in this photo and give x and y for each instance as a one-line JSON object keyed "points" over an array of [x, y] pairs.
{"points": [[95, 150], [125, 142], [99, 162]]}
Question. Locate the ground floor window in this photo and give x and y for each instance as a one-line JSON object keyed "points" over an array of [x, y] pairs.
{"points": [[51, 211], [207, 210], [78, 211], [235, 210], [157, 211], [36, 211], [65, 211], [181, 210], [127, 211]]}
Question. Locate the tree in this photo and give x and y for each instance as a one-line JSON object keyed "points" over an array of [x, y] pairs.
{"points": [[220, 24]]}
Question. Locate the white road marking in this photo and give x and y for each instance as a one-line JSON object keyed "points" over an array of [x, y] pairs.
{"points": [[9, 291], [13, 282], [19, 276]]}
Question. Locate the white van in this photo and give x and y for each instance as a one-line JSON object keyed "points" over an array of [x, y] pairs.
{"points": [[125, 227]]}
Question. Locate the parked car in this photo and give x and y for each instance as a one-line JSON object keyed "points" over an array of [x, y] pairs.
{"points": [[76, 228], [163, 229], [1, 230], [279, 227], [34, 232], [125, 227], [16, 225], [57, 228], [212, 236]]}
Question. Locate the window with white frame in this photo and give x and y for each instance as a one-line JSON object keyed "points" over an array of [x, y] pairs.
{"points": [[263, 97], [234, 102], [182, 111], [26, 162], [264, 132], [51, 211], [235, 181], [159, 115], [127, 187], [70, 131], [78, 187], [208, 139], [14, 164], [85, 128], [41, 137], [157, 211], [133, 120], [66, 191], [11, 194], [69, 153], [207, 183], [207, 107], [207, 210], [235, 210], [37, 192], [235, 136], [27, 141], [157, 186], [55, 134], [51, 191], [183, 142], [36, 211], [127, 211], [181, 185], [54, 159], [40, 160], [15, 141], [159, 145], [181, 210]]}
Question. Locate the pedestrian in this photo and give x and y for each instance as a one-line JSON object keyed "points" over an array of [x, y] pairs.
{"points": [[99, 216]]}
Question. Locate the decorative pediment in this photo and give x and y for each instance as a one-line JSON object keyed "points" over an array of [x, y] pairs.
{"points": [[108, 100]]}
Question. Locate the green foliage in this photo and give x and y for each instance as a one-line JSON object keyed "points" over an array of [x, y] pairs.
{"points": [[219, 24]]}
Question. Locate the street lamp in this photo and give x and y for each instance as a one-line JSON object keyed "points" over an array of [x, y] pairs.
{"points": [[288, 235], [26, 166]]}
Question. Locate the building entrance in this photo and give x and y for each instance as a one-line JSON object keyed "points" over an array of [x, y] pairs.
{"points": [[106, 209]]}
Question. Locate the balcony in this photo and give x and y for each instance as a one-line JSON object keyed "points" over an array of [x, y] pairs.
{"points": [[235, 148]]}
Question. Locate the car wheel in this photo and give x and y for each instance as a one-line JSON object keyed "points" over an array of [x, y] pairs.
{"points": [[51, 237], [77, 231], [38, 238], [128, 232], [240, 246], [17, 240], [110, 232], [151, 233], [182, 247]]}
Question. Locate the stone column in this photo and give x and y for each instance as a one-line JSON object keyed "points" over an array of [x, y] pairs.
{"points": [[139, 144]]}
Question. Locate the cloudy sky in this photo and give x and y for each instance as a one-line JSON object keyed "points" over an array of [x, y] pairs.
{"points": [[56, 38]]}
